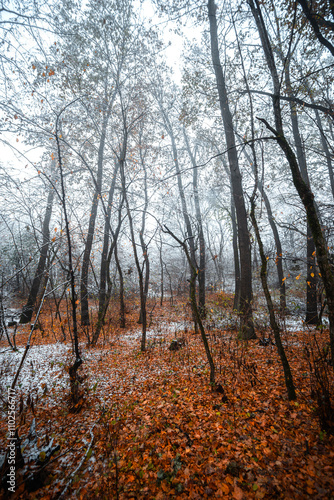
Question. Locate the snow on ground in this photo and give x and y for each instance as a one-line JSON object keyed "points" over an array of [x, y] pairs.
{"points": [[42, 371], [158, 331], [123, 379]]}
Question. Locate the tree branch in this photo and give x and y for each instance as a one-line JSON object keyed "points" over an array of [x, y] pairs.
{"points": [[319, 107]]}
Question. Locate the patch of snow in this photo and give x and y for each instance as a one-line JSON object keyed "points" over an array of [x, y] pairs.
{"points": [[163, 330], [43, 365]]}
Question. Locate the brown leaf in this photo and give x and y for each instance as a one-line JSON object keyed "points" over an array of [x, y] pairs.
{"points": [[238, 493]]}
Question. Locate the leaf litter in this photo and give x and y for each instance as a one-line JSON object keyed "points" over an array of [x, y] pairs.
{"points": [[151, 427]]}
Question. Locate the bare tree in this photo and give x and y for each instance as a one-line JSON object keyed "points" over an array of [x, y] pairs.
{"points": [[245, 307], [303, 189], [28, 309]]}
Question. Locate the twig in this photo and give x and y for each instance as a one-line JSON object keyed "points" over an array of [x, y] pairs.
{"points": [[28, 343], [43, 467], [3, 325], [190, 442], [68, 484], [30, 335]]}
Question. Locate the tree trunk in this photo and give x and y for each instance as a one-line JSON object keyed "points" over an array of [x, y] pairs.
{"points": [[142, 231], [279, 251], [189, 232], [324, 142], [236, 302], [28, 309], [312, 317], [314, 20], [121, 291], [161, 273], [259, 185], [106, 239], [196, 314], [73, 369], [302, 188], [186, 218], [273, 323], [201, 267], [103, 311], [246, 325], [311, 275], [134, 246], [92, 219]]}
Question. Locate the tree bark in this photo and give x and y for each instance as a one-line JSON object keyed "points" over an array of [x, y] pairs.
{"points": [[106, 239], [311, 275], [313, 20], [142, 230], [92, 219], [273, 323], [121, 291], [201, 267], [196, 313], [302, 188], [246, 325], [28, 309], [236, 302]]}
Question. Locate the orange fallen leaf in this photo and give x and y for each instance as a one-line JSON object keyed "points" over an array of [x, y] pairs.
{"points": [[238, 493]]}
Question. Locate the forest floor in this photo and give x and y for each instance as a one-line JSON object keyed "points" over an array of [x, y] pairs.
{"points": [[150, 426]]}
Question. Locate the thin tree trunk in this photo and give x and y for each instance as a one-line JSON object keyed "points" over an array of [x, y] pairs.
{"points": [[273, 323], [279, 251], [121, 291], [236, 259], [302, 188], [92, 219], [236, 302], [28, 309], [312, 316], [314, 22], [73, 369], [189, 232], [325, 149], [142, 231], [103, 312], [323, 139], [195, 308], [246, 326], [201, 267], [311, 275], [186, 218], [161, 273], [106, 240], [259, 185], [134, 246]]}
